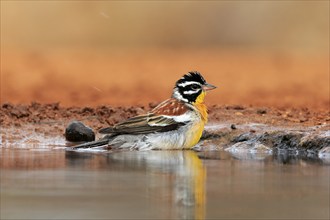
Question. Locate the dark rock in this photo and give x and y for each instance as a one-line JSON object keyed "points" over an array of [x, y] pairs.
{"points": [[76, 131], [7, 106], [233, 126], [261, 111]]}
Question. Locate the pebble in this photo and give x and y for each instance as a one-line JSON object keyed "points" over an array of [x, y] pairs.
{"points": [[76, 131]]}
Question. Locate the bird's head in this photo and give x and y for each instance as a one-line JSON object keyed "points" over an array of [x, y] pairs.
{"points": [[191, 88]]}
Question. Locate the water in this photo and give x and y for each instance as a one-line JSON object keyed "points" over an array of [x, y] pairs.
{"points": [[60, 184]]}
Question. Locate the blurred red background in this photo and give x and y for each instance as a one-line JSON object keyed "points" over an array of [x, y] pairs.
{"points": [[125, 53]]}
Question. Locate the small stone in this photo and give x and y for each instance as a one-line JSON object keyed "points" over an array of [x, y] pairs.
{"points": [[238, 113], [233, 127], [261, 111], [76, 131], [7, 106]]}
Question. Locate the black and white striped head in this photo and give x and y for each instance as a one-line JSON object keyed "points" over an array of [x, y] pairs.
{"points": [[190, 87]]}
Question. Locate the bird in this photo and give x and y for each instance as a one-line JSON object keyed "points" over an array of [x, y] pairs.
{"points": [[176, 123]]}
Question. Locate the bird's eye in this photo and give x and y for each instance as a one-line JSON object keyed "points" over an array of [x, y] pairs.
{"points": [[194, 87]]}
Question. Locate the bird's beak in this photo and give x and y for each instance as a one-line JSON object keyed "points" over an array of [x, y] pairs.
{"points": [[207, 87]]}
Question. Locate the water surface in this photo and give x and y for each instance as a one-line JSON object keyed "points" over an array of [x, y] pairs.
{"points": [[62, 184]]}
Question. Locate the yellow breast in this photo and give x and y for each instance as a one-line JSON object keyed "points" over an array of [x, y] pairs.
{"points": [[196, 131], [195, 134]]}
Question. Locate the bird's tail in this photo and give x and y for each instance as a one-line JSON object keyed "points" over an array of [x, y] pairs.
{"points": [[98, 143]]}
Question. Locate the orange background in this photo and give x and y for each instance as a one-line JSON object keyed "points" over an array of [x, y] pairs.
{"points": [[126, 53]]}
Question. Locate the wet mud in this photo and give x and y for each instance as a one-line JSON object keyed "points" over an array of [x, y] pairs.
{"points": [[235, 128]]}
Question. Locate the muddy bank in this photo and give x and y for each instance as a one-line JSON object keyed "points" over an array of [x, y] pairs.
{"points": [[232, 125], [259, 141]]}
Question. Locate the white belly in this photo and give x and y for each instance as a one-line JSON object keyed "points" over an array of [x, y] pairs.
{"points": [[183, 138]]}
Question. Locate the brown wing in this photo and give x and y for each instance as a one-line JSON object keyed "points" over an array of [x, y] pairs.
{"points": [[143, 124]]}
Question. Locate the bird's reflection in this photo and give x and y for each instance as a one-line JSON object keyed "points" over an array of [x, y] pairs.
{"points": [[176, 177]]}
